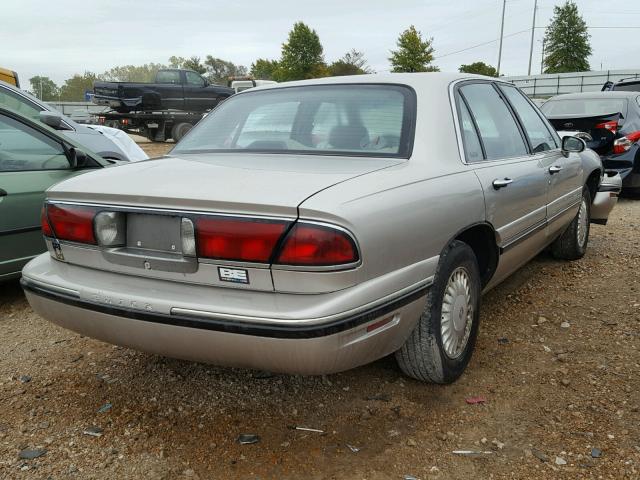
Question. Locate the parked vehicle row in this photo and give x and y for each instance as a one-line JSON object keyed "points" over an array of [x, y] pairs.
{"points": [[107, 142], [314, 226], [32, 158]]}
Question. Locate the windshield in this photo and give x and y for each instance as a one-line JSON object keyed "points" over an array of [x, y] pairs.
{"points": [[370, 120], [588, 107]]}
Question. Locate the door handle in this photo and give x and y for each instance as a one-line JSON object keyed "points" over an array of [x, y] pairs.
{"points": [[498, 184], [3, 192], [554, 169]]}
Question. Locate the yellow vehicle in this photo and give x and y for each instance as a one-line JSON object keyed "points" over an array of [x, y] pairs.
{"points": [[9, 76]]}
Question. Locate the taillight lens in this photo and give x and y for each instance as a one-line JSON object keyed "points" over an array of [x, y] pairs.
{"points": [[44, 222], [612, 126], [239, 239], [316, 245], [73, 223], [623, 144]]}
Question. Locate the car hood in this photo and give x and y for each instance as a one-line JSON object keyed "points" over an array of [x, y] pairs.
{"points": [[261, 184]]}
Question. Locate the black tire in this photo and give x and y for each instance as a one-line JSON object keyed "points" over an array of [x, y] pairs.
{"points": [[179, 130], [423, 355], [571, 245]]}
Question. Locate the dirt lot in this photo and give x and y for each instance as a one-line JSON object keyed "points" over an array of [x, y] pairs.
{"points": [[557, 360]]}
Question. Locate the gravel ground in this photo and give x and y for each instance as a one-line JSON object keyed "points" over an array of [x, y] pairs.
{"points": [[557, 361]]}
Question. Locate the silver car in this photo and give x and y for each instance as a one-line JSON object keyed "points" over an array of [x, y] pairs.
{"points": [[311, 227]]}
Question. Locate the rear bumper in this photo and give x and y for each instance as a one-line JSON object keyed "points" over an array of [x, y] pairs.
{"points": [[115, 102], [606, 198], [296, 345]]}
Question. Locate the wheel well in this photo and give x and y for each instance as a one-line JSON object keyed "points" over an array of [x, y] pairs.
{"points": [[593, 182], [482, 240]]}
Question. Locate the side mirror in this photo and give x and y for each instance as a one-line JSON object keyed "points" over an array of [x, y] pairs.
{"points": [[77, 158], [572, 144], [53, 119]]}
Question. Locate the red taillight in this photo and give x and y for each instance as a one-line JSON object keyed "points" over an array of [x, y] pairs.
{"points": [[245, 240], [44, 222], [315, 245], [72, 223], [612, 126], [623, 144]]}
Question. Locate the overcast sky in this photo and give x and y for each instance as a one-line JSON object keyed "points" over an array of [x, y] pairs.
{"points": [[63, 37]]}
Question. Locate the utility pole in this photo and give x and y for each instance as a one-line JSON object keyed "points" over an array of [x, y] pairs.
{"points": [[504, 4], [533, 29], [542, 56]]}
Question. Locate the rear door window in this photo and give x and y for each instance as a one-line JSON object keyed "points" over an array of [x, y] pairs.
{"points": [[472, 147], [168, 76], [536, 129], [498, 129]]}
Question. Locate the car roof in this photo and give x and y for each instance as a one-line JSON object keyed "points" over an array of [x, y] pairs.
{"points": [[595, 95], [417, 80]]}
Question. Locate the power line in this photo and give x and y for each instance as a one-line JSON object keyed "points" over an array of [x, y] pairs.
{"points": [[481, 44]]}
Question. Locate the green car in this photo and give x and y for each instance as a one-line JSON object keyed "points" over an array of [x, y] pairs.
{"points": [[32, 158]]}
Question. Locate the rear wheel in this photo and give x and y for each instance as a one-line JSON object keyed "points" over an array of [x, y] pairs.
{"points": [[179, 130], [442, 343], [572, 244]]}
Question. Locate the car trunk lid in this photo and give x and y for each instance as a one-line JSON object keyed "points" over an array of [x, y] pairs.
{"points": [[603, 129], [258, 184]]}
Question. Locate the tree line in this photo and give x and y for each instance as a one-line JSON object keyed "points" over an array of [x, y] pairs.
{"points": [[566, 49]]}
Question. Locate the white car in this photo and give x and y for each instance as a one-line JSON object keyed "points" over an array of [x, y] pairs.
{"points": [[109, 143]]}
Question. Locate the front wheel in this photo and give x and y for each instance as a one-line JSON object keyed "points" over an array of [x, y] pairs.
{"points": [[441, 345], [572, 244]]}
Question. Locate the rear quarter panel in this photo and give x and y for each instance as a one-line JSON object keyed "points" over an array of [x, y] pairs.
{"points": [[402, 219]]}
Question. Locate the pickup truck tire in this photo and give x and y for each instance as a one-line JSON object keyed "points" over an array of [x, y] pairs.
{"points": [[440, 347], [179, 130], [572, 244]]}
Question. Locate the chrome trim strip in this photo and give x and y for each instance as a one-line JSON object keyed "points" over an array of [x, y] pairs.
{"points": [[134, 209], [561, 212], [312, 321]]}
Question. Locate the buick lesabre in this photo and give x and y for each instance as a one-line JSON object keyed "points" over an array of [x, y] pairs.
{"points": [[311, 227]]}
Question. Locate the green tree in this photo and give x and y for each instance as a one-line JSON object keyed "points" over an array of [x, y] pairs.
{"points": [[351, 63], [413, 54], [264, 69], [44, 88], [191, 63], [219, 70], [479, 68], [133, 73], [566, 41], [302, 55], [74, 88]]}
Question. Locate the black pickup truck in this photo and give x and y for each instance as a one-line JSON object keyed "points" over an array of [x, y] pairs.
{"points": [[173, 89]]}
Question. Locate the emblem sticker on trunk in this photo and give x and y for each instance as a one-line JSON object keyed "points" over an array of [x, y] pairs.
{"points": [[234, 275]]}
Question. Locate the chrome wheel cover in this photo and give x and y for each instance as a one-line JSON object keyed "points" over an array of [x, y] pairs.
{"points": [[583, 223], [457, 313]]}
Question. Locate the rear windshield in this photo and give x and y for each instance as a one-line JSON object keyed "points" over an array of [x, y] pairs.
{"points": [[588, 107], [627, 87], [361, 120]]}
